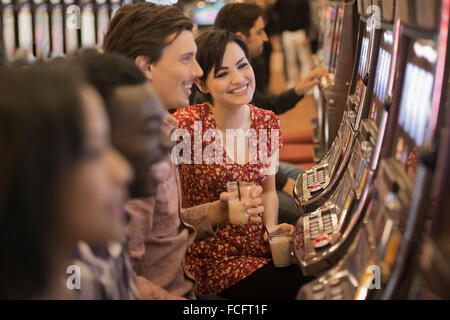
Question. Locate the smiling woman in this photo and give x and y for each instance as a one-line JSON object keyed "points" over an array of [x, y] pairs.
{"points": [[237, 255]]}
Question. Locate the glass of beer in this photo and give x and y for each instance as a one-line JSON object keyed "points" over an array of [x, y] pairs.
{"points": [[238, 193], [280, 246]]}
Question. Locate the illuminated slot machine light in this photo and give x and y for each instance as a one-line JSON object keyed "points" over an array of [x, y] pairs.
{"points": [[42, 30], [88, 26], [377, 75], [380, 74], [8, 29], [412, 105], [405, 96], [102, 21], [425, 105], [366, 54], [72, 18], [383, 78], [386, 75], [57, 29], [25, 30], [418, 107]]}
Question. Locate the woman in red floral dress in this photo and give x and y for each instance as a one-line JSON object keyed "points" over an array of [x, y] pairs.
{"points": [[236, 251]]}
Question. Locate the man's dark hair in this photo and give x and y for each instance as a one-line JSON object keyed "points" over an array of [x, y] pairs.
{"points": [[107, 71], [41, 138], [238, 17], [144, 29], [211, 45]]}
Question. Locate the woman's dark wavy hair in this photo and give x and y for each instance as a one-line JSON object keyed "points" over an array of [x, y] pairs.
{"points": [[211, 46], [41, 137]]}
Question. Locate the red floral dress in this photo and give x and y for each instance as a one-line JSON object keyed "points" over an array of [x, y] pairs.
{"points": [[235, 251]]}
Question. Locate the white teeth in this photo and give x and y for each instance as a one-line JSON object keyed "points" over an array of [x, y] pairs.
{"points": [[239, 90], [187, 86]]}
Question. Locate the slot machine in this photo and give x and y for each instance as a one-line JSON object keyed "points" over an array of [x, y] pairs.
{"points": [[312, 187], [8, 30], [41, 29], [371, 264], [72, 23], [25, 31], [88, 38], [332, 94], [323, 235], [102, 21]]}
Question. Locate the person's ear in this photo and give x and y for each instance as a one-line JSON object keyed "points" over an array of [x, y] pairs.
{"points": [[143, 63], [201, 86], [242, 36]]}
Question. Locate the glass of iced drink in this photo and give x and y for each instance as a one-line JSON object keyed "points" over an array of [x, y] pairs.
{"points": [[280, 247], [236, 198]]}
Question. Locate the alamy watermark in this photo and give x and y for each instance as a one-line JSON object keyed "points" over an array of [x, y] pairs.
{"points": [[74, 279], [240, 145], [374, 280]]}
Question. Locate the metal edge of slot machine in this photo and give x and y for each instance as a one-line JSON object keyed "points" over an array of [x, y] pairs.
{"points": [[358, 176], [317, 289], [433, 165], [397, 192], [344, 30]]}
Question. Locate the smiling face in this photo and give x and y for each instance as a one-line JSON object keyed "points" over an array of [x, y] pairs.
{"points": [[172, 76], [233, 83], [137, 133]]}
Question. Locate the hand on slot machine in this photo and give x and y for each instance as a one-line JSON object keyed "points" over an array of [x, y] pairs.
{"points": [[310, 80]]}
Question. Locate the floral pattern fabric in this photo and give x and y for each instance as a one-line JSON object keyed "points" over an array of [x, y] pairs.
{"points": [[235, 251]]}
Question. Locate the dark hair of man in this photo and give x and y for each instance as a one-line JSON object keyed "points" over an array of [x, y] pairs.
{"points": [[238, 17], [211, 46], [144, 29], [41, 138], [107, 71]]}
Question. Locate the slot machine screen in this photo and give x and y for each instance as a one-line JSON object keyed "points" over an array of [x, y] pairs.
{"points": [[204, 14], [333, 154], [363, 57], [415, 105], [343, 192], [381, 76], [360, 255]]}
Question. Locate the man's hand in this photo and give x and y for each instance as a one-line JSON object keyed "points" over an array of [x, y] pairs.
{"points": [[218, 212], [310, 80]]}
